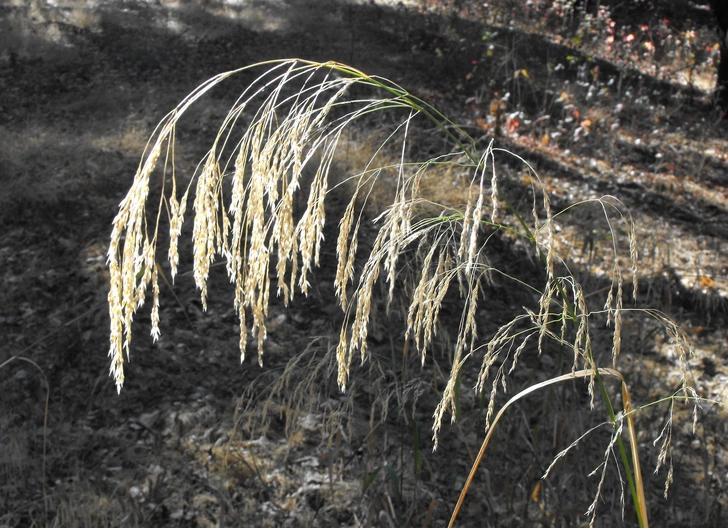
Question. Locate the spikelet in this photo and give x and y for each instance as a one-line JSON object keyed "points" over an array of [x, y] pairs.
{"points": [[493, 187], [501, 337], [448, 399], [369, 276], [206, 224], [608, 304], [466, 336], [283, 237], [420, 297], [440, 283], [518, 352], [125, 262], [466, 228], [424, 309], [633, 254], [582, 342], [665, 454], [155, 305], [176, 218], [473, 214], [581, 329], [617, 337], [551, 234], [257, 257], [473, 242], [309, 230], [470, 328], [345, 251], [548, 291], [477, 216], [401, 212], [399, 230], [343, 359]]}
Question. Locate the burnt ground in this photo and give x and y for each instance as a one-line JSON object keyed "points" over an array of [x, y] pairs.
{"points": [[195, 438]]}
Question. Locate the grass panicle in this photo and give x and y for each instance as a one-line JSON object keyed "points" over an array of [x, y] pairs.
{"points": [[246, 211]]}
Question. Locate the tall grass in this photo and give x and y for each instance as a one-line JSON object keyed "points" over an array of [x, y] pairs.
{"points": [[285, 129]]}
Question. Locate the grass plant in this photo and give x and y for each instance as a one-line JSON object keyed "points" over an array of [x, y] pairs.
{"points": [[279, 141]]}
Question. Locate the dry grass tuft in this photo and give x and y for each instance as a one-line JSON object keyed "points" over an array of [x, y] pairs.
{"points": [[245, 213]]}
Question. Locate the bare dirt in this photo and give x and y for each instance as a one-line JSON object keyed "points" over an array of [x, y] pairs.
{"points": [[195, 438]]}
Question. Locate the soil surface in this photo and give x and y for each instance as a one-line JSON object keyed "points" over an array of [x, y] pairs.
{"points": [[197, 439]]}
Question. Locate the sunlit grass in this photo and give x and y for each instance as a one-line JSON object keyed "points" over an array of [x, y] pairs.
{"points": [[280, 141]]}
